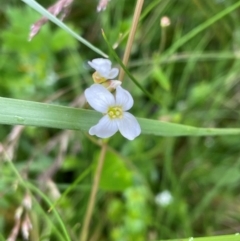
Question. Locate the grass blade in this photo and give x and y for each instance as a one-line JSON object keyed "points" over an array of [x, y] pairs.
{"points": [[20, 112], [235, 237], [200, 28]]}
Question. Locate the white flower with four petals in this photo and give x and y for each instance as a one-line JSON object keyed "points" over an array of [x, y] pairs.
{"points": [[104, 68], [114, 108]]}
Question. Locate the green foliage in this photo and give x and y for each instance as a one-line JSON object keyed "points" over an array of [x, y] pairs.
{"points": [[115, 175], [34, 62], [135, 216], [193, 77]]}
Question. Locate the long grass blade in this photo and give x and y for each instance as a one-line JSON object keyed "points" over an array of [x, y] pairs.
{"points": [[235, 237], [20, 112]]}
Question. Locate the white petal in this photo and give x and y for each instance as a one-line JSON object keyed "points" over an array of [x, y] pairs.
{"points": [[105, 128], [99, 98], [104, 71], [128, 126], [99, 63], [94, 66], [103, 67], [113, 73], [123, 98]]}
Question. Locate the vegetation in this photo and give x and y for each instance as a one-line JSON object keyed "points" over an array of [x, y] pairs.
{"points": [[171, 182]]}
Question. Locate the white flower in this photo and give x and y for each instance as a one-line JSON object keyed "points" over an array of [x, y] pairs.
{"points": [[114, 109], [164, 198], [103, 68]]}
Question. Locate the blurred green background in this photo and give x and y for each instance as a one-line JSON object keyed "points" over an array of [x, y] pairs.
{"points": [[153, 187]]}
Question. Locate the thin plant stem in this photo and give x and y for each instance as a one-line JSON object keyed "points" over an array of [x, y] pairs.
{"points": [[92, 200], [163, 39], [136, 16], [71, 187]]}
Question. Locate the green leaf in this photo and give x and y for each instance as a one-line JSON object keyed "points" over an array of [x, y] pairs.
{"points": [[235, 237], [115, 175], [28, 113], [20, 112], [2, 238]]}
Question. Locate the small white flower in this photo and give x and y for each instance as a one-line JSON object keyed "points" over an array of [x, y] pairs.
{"points": [[103, 68], [114, 109], [164, 198]]}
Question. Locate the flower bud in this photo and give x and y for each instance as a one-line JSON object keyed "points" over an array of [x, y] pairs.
{"points": [[165, 22]]}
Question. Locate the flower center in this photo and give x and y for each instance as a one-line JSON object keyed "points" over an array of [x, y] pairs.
{"points": [[115, 112]]}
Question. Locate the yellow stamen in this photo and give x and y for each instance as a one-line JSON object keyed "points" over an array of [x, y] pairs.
{"points": [[115, 112], [98, 79]]}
